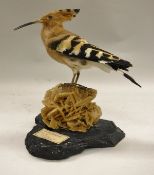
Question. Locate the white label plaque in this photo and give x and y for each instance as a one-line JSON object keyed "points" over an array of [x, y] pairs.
{"points": [[51, 136]]}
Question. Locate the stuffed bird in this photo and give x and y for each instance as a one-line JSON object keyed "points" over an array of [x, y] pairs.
{"points": [[74, 51]]}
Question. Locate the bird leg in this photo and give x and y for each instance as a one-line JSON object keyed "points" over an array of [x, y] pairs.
{"points": [[77, 77], [74, 75]]}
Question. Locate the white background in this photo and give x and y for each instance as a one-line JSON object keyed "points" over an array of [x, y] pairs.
{"points": [[124, 27]]}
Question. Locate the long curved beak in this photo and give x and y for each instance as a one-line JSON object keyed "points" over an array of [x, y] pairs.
{"points": [[27, 24]]}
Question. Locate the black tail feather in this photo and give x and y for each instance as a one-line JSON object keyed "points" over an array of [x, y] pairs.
{"points": [[131, 79], [120, 64]]}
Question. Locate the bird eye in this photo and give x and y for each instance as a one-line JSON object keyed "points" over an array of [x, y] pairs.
{"points": [[50, 17]]}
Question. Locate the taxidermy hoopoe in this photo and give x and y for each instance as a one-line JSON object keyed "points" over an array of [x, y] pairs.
{"points": [[74, 51]]}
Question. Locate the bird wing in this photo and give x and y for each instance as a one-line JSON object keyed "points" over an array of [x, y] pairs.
{"points": [[77, 47]]}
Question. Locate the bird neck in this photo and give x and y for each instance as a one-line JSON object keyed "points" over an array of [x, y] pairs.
{"points": [[52, 31]]}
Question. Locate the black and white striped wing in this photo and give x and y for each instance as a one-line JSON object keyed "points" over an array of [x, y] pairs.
{"points": [[76, 47]]}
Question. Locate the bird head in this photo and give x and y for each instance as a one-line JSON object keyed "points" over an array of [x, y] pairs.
{"points": [[53, 18]]}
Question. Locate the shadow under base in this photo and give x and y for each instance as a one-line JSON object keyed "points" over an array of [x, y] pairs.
{"points": [[104, 134]]}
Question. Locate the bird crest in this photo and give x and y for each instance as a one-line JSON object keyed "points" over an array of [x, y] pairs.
{"points": [[54, 18]]}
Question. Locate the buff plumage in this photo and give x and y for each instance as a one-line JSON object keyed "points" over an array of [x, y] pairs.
{"points": [[77, 53]]}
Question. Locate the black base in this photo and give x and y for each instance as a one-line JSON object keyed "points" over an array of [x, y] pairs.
{"points": [[104, 134]]}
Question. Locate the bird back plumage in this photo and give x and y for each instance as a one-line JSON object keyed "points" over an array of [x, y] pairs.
{"points": [[74, 46]]}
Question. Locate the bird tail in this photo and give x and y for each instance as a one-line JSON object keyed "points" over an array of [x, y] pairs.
{"points": [[131, 79], [123, 65], [104, 67], [107, 68]]}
